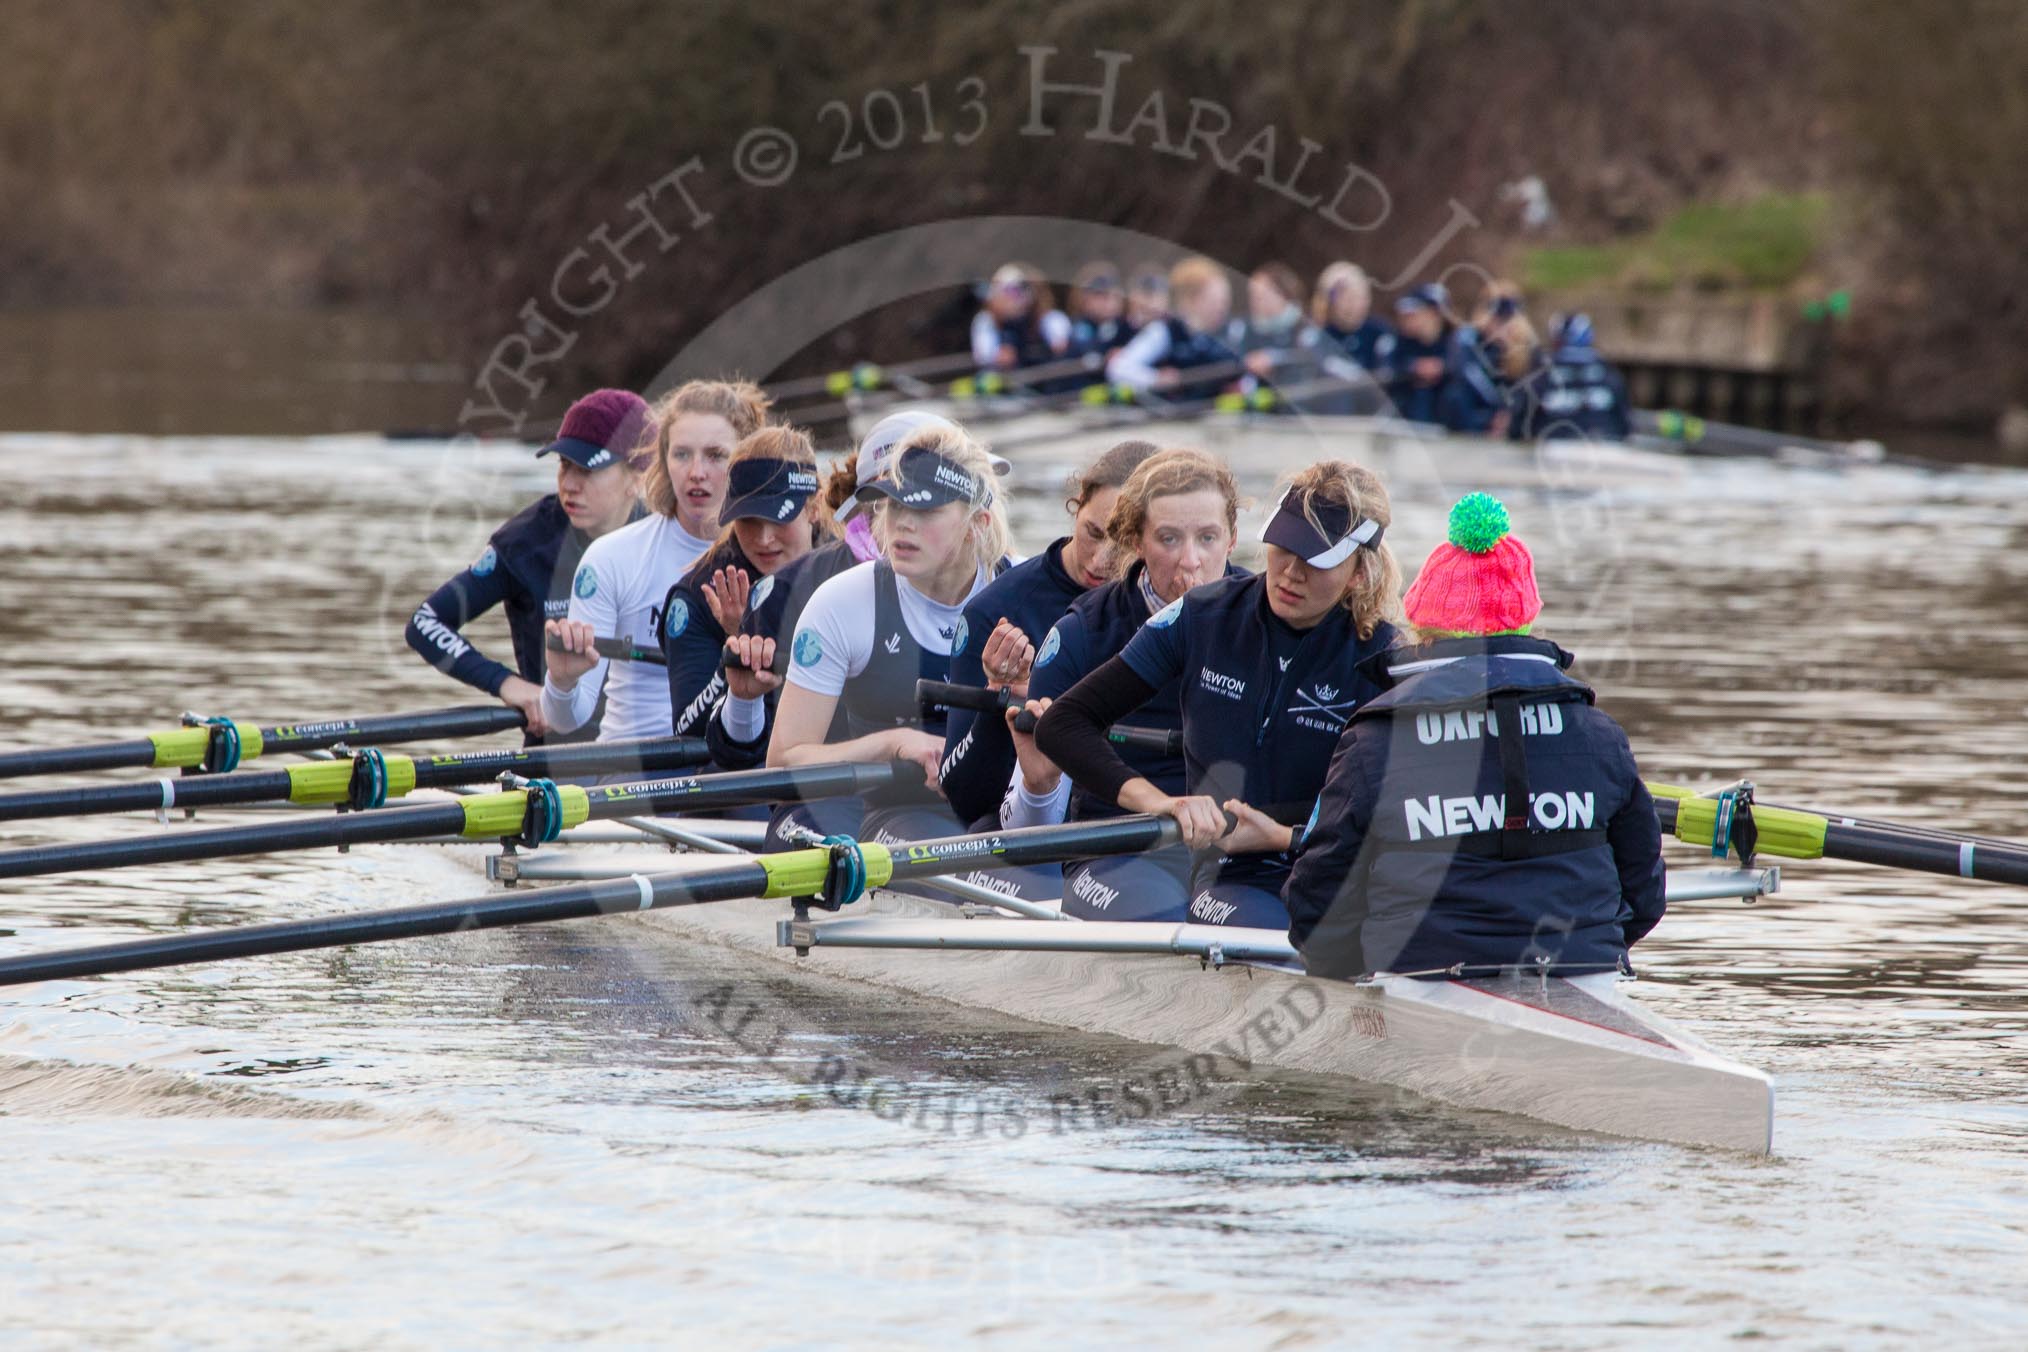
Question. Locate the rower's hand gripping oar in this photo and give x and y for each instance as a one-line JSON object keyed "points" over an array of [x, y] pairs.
{"points": [[368, 778], [217, 745], [531, 816], [981, 700], [1732, 819], [792, 873], [622, 649], [728, 660]]}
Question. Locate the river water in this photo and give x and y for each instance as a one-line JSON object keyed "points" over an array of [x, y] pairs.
{"points": [[542, 1135]]}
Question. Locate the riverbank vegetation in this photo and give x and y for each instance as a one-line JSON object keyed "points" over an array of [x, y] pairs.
{"points": [[443, 159]]}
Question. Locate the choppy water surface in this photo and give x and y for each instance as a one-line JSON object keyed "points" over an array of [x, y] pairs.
{"points": [[541, 1134]]}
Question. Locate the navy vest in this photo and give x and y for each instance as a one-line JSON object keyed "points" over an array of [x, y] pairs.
{"points": [[883, 695], [773, 610]]}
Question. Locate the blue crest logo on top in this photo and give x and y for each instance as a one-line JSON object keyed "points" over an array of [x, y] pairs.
{"points": [[678, 617], [1051, 646], [960, 637], [760, 592], [1167, 615], [587, 584], [809, 648], [486, 562]]}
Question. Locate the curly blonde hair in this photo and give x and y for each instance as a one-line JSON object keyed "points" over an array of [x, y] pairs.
{"points": [[741, 403], [1165, 474]]}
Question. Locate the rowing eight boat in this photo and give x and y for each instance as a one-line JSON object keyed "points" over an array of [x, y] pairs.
{"points": [[1576, 1051]]}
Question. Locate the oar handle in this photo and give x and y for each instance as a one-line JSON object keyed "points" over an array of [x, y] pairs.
{"points": [[732, 661], [1156, 741], [976, 698], [618, 650]]}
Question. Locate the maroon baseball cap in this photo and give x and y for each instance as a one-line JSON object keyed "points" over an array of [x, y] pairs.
{"points": [[603, 428]]}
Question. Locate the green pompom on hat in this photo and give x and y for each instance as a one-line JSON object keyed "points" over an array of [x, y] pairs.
{"points": [[1478, 522], [1481, 581]]}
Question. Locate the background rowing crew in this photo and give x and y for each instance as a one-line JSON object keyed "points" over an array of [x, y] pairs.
{"points": [[1176, 334], [1403, 783]]}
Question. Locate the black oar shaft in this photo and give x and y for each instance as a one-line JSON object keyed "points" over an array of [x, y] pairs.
{"points": [[1034, 845], [976, 698], [473, 720], [1880, 843], [470, 720], [226, 842], [652, 755], [409, 922], [700, 793], [267, 786], [72, 760], [1926, 854], [771, 875], [194, 791]]}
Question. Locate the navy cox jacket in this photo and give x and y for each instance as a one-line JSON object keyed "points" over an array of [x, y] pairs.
{"points": [[1416, 857]]}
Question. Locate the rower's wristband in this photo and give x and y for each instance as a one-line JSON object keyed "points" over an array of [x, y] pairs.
{"points": [[745, 720]]}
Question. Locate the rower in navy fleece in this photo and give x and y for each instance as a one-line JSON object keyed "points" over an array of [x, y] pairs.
{"points": [[771, 518], [1003, 625], [1481, 812], [1175, 518], [529, 562], [1270, 669]]}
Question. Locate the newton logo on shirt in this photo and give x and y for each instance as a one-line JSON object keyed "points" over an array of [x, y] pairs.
{"points": [[1051, 646], [678, 618], [587, 584], [1167, 615], [483, 566], [809, 648], [960, 637], [760, 593]]}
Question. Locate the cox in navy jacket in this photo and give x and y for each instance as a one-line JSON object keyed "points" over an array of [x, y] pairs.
{"points": [[1416, 857]]}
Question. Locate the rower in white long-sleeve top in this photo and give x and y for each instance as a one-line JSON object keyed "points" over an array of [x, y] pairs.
{"points": [[621, 583]]}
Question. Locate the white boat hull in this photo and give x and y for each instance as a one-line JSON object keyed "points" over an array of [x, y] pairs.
{"points": [[1577, 1052]]}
